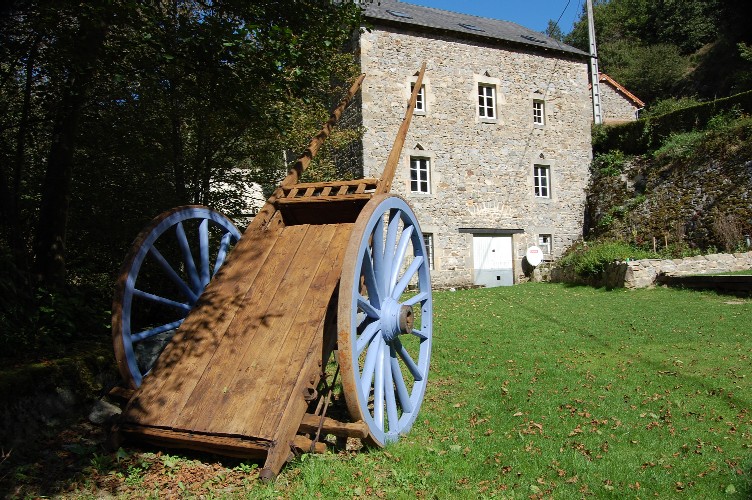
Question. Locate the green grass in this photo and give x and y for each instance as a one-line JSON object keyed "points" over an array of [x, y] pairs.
{"points": [[552, 391]]}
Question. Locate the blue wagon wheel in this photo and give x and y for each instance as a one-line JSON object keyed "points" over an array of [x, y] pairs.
{"points": [[158, 287], [385, 319]]}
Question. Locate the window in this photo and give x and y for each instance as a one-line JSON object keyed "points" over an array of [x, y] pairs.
{"points": [[420, 175], [486, 101], [538, 115], [544, 242], [420, 99], [542, 181], [428, 241]]}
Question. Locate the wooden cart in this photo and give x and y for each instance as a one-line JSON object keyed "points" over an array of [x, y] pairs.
{"points": [[245, 346]]}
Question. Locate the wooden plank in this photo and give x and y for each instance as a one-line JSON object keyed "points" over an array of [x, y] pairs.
{"points": [[268, 357], [213, 397], [225, 445], [177, 371], [310, 425], [295, 408], [300, 356], [368, 181], [385, 184], [323, 199]]}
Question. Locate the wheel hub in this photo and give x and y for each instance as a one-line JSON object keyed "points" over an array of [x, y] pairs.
{"points": [[396, 319]]}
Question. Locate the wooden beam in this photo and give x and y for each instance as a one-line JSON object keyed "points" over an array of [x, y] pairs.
{"points": [[264, 216], [303, 445], [313, 147], [385, 184], [310, 425]]}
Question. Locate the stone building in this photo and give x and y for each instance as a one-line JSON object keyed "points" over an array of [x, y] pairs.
{"points": [[618, 104], [497, 156]]}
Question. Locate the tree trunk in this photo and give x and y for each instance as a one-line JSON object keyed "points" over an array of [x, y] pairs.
{"points": [[49, 264], [14, 211]]}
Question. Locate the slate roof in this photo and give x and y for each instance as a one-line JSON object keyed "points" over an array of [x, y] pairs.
{"points": [[399, 14]]}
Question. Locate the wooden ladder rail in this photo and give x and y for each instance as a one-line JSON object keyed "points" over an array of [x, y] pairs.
{"points": [[266, 213], [385, 183]]}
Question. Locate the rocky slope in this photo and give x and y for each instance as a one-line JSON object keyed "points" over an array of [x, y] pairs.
{"points": [[692, 193]]}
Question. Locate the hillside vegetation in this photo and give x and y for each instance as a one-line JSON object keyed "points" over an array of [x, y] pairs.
{"points": [[689, 193], [663, 49]]}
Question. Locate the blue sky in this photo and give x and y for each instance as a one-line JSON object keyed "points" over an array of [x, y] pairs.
{"points": [[533, 14]]}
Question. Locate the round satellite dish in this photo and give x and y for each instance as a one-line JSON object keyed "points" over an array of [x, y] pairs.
{"points": [[534, 256]]}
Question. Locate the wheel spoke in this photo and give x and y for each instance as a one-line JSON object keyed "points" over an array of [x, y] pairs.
{"points": [[162, 300], [369, 277], [203, 239], [391, 403], [419, 334], [391, 241], [365, 306], [399, 383], [377, 243], [155, 331], [414, 370], [189, 230], [409, 273], [366, 337], [368, 368], [224, 246], [399, 256], [378, 389], [416, 298], [190, 265], [192, 297]]}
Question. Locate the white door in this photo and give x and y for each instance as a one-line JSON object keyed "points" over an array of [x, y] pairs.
{"points": [[492, 260]]}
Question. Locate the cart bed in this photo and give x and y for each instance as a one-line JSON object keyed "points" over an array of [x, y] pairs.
{"points": [[239, 368]]}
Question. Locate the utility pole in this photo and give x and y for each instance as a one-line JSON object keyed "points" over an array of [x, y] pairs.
{"points": [[594, 74]]}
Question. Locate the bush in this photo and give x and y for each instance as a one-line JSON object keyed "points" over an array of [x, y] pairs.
{"points": [[609, 164], [36, 323], [590, 261], [680, 146], [669, 105], [649, 133]]}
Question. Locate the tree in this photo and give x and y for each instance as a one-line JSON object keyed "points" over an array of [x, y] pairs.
{"points": [[147, 105], [633, 35], [554, 31]]}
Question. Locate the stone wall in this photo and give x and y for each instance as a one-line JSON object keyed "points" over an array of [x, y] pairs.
{"points": [[643, 273], [481, 170], [616, 107]]}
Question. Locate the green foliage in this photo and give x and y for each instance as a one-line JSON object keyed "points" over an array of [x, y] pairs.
{"points": [[745, 51], [179, 102], [590, 260], [669, 105], [36, 322], [648, 71], [649, 133], [610, 163], [554, 31], [663, 48], [679, 146]]}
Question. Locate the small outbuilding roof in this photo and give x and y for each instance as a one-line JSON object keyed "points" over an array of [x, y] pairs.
{"points": [[401, 14], [603, 77]]}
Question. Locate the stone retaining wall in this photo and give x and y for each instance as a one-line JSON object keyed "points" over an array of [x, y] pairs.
{"points": [[643, 273]]}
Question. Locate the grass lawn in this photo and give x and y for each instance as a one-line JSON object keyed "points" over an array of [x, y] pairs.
{"points": [[535, 390]]}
